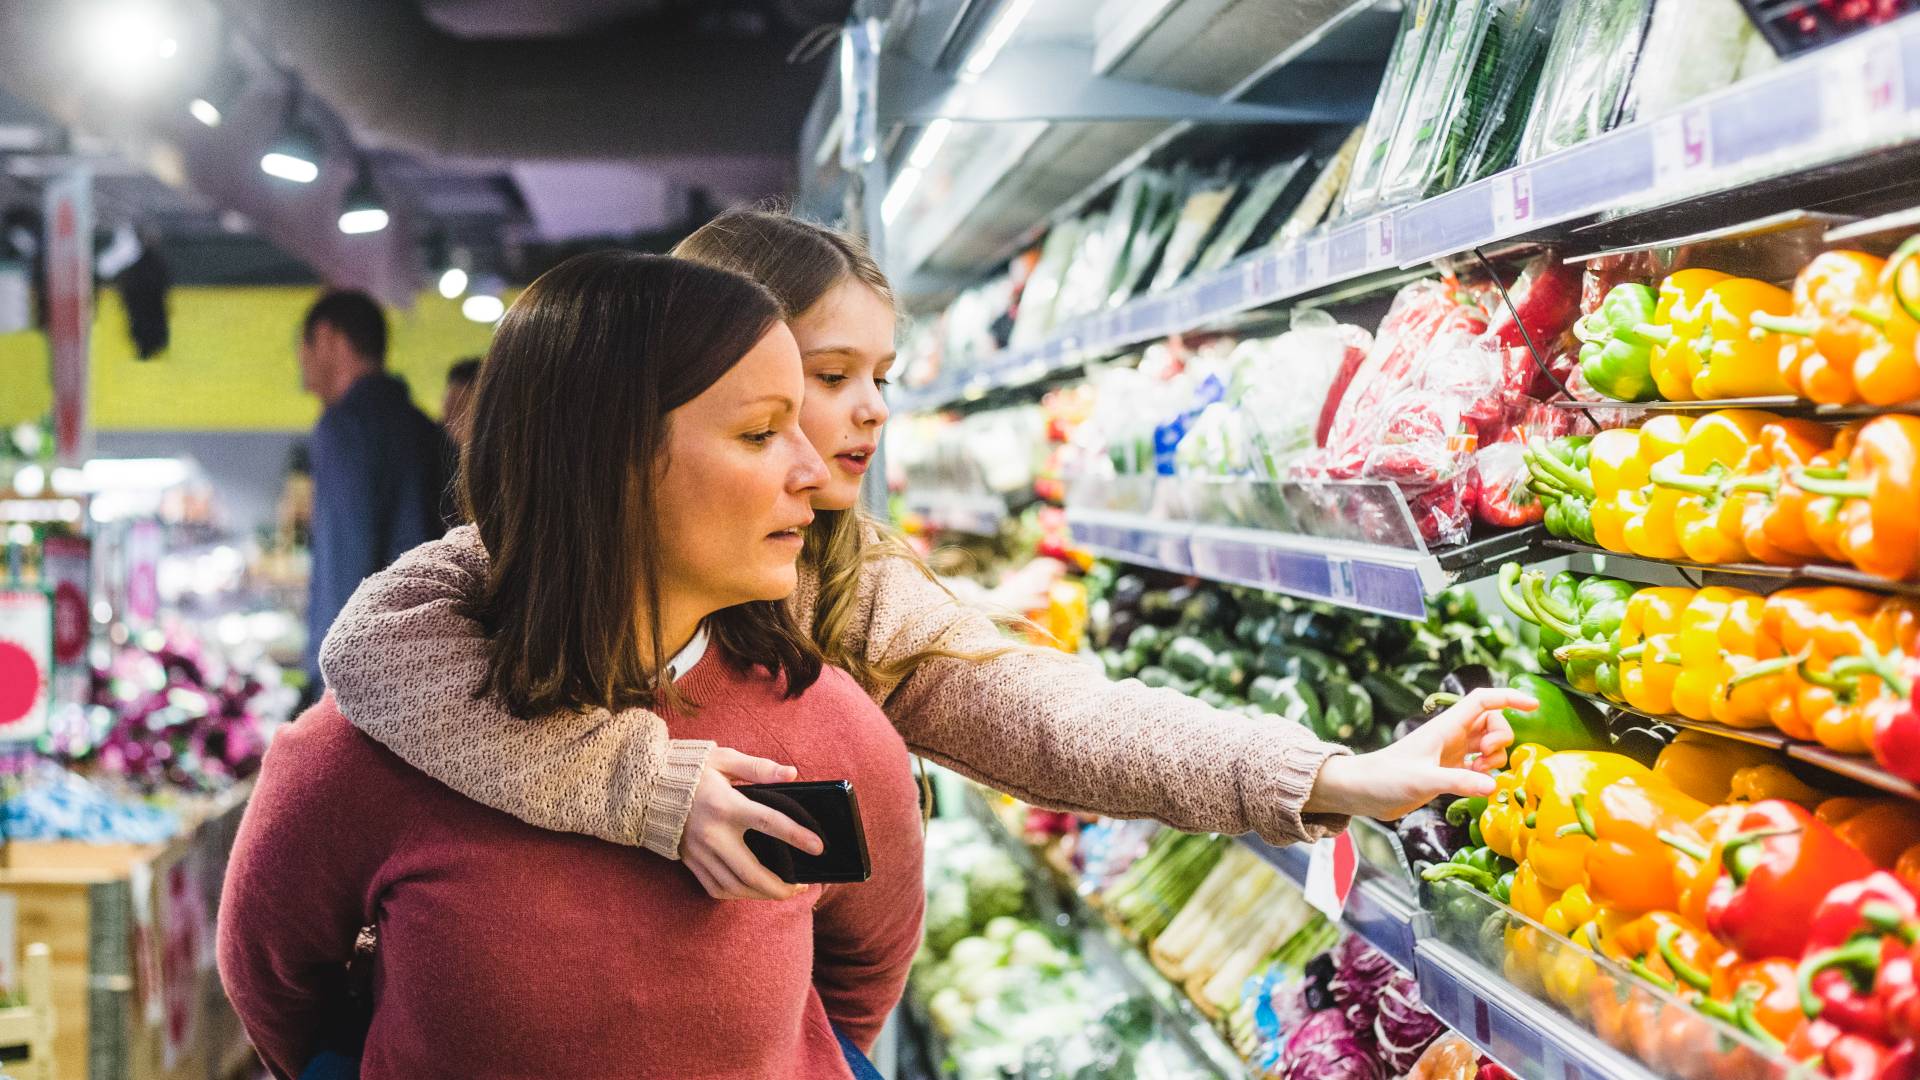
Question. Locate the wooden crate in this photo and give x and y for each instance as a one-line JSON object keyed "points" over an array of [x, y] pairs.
{"points": [[130, 929]]}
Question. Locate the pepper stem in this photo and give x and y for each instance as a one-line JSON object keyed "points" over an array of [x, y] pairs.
{"points": [[1869, 316], [1784, 324], [1639, 967], [1682, 970], [1807, 481], [1509, 577], [1583, 650], [1561, 473], [1583, 821], [1767, 482], [1885, 918], [1669, 476], [1439, 699], [1767, 668], [1471, 875], [1859, 958], [1539, 602], [1739, 855], [1646, 334], [1632, 652], [1685, 846]]}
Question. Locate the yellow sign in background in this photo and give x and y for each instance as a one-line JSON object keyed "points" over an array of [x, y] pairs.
{"points": [[231, 366]]}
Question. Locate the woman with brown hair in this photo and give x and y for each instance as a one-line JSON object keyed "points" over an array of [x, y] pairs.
{"points": [[1029, 721], [639, 476]]}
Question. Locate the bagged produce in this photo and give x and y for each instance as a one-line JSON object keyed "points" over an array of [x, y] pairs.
{"points": [[1198, 216], [1420, 312], [1504, 499], [1693, 47], [1263, 196], [1468, 108], [1586, 75], [1319, 197], [1418, 26], [1287, 384]]}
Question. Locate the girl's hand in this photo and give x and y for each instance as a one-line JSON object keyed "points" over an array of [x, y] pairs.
{"points": [[1450, 754], [714, 846]]}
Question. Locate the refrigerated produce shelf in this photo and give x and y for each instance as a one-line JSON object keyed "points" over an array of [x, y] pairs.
{"points": [[1761, 576], [1779, 138], [1853, 767], [975, 513]]}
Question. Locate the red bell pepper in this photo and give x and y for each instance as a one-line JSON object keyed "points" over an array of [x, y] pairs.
{"points": [[1777, 865], [1858, 972], [1851, 1057], [1876, 904], [1896, 722]]}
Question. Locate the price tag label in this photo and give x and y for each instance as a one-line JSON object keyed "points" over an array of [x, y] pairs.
{"points": [[1316, 273], [1682, 148], [1340, 579], [1512, 201], [1379, 241], [1863, 92], [1330, 873]]}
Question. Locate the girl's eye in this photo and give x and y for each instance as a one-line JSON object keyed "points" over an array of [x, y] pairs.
{"points": [[882, 381], [761, 438], [830, 378]]}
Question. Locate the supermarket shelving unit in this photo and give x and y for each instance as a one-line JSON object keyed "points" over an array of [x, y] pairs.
{"points": [[1836, 131]]}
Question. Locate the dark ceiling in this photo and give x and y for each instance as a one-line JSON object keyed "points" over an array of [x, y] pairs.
{"points": [[516, 130]]}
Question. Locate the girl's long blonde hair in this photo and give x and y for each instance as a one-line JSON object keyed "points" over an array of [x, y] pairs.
{"points": [[799, 262]]}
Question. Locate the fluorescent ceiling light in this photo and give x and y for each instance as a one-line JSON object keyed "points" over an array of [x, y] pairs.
{"points": [[370, 220], [453, 282], [998, 33], [289, 167], [483, 308], [204, 111]]}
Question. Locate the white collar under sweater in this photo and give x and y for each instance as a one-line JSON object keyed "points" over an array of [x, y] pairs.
{"points": [[684, 660]]}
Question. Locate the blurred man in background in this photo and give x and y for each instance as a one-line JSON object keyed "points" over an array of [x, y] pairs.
{"points": [[379, 464]]}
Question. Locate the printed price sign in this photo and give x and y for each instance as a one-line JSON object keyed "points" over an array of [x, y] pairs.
{"points": [[1330, 873], [1317, 263], [1379, 241], [1682, 148], [1863, 91], [1512, 202]]}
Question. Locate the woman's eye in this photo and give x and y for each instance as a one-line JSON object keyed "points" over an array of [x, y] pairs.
{"points": [[830, 378], [761, 438], [882, 381]]}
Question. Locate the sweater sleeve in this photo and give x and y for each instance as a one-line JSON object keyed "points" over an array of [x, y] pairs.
{"points": [[299, 885], [404, 638], [1053, 730]]}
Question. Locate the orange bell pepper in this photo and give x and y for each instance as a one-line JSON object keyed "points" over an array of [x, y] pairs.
{"points": [[1882, 831], [1879, 510], [1754, 665], [1820, 514], [1907, 867], [1887, 372], [1824, 336], [1770, 506], [1772, 990]]}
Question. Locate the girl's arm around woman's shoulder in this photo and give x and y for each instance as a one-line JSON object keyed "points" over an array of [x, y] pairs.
{"points": [[1054, 730], [403, 660]]}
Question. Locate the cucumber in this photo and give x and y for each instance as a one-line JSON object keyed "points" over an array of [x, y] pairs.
{"points": [[1229, 669], [1187, 657], [1155, 675], [1348, 716], [1146, 639]]}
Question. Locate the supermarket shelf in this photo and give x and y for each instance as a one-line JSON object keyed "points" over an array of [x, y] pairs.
{"points": [[1847, 105], [975, 513], [1386, 921], [1520, 1033], [1760, 577], [1112, 951], [1853, 767], [1390, 581], [1784, 406]]}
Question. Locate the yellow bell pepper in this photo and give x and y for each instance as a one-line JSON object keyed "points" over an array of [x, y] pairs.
{"points": [[1708, 521], [1703, 666], [1502, 823], [1528, 896], [1619, 474], [1650, 530], [1680, 318], [1649, 656], [1736, 358], [1563, 795], [1755, 667], [1704, 766], [1770, 780]]}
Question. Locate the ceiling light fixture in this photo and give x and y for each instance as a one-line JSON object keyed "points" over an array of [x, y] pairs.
{"points": [[295, 155], [362, 211], [998, 33], [453, 282]]}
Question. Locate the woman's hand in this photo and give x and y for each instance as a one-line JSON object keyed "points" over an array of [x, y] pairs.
{"points": [[714, 846], [1450, 754]]}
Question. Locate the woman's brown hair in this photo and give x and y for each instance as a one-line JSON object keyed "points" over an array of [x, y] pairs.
{"points": [[569, 425], [799, 262]]}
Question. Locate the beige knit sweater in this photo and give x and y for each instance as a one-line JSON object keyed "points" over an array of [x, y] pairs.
{"points": [[402, 661]]}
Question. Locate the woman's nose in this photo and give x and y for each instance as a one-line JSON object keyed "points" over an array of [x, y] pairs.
{"points": [[872, 410], [809, 470]]}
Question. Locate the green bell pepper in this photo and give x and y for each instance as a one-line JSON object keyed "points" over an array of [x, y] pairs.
{"points": [[1615, 356], [1560, 723], [1557, 471]]}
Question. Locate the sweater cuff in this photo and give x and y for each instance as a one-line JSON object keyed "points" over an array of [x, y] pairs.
{"points": [[665, 815], [1274, 790]]}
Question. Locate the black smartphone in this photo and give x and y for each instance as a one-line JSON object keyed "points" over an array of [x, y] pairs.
{"points": [[827, 808]]}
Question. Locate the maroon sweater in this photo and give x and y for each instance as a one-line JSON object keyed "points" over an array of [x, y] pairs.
{"points": [[509, 951]]}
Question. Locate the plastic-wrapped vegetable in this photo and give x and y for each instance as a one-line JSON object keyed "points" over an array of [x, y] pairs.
{"points": [[1402, 1027], [1693, 47], [1287, 382], [1468, 107], [1420, 312], [1314, 204], [1417, 33], [1504, 500], [1254, 208], [1589, 67], [1198, 216], [1449, 1058]]}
